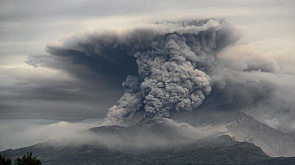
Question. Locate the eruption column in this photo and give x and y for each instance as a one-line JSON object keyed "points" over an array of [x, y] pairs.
{"points": [[171, 71]]}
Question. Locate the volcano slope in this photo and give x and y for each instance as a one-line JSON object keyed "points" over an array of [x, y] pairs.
{"points": [[155, 141]]}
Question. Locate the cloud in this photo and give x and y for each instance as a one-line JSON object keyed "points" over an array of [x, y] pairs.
{"points": [[26, 26], [258, 84], [42, 92], [161, 58], [22, 133], [167, 63]]}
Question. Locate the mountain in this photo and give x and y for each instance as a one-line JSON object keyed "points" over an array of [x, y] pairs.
{"points": [[146, 133], [207, 138], [201, 124], [220, 151], [244, 128]]}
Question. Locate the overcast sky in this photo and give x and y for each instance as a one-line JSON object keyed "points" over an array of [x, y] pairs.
{"points": [[28, 90], [36, 85]]}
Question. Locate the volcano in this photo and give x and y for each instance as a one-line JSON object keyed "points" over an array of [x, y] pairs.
{"points": [[232, 138]]}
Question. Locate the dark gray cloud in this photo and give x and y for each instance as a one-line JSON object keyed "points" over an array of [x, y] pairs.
{"points": [[100, 62], [256, 84], [239, 80], [251, 79], [43, 94], [157, 54], [26, 25]]}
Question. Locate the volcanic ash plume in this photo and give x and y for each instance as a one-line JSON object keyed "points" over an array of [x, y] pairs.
{"points": [[172, 62]]}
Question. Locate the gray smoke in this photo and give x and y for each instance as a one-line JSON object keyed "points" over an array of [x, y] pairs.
{"points": [[167, 65], [171, 70]]}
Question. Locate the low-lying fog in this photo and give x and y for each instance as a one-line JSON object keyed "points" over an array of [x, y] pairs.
{"points": [[21, 133]]}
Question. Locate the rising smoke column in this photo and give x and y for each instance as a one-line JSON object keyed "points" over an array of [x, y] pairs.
{"points": [[166, 64], [171, 69]]}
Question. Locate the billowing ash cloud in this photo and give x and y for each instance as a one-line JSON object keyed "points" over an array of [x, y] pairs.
{"points": [[172, 67], [166, 64], [171, 70]]}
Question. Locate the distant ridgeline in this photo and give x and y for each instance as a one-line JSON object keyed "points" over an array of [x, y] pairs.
{"points": [[164, 141], [222, 151]]}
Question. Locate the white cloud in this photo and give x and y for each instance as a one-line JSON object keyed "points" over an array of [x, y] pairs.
{"points": [[21, 133]]}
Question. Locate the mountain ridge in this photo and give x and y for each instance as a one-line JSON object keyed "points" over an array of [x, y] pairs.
{"points": [[220, 140], [244, 128]]}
